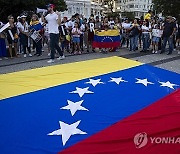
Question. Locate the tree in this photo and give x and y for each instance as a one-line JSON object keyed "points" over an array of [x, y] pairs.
{"points": [[168, 7], [16, 7], [129, 15]]}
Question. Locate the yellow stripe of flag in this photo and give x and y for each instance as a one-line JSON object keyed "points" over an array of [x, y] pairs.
{"points": [[22, 82], [108, 33]]}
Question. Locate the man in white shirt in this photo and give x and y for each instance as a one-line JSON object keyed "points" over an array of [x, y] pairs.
{"points": [[54, 21]]}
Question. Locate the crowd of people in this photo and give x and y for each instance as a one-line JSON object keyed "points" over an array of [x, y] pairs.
{"points": [[76, 35]]}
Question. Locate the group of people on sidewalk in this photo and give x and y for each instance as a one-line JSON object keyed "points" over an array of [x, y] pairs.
{"points": [[76, 35]]}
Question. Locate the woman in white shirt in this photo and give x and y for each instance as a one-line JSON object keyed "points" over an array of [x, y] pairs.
{"points": [[24, 32], [156, 36], [146, 28]]}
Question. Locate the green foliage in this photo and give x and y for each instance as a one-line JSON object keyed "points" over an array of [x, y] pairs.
{"points": [[129, 15], [168, 7], [16, 7]]}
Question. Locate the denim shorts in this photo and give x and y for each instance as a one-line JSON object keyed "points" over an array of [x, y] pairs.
{"points": [[155, 39], [76, 40]]}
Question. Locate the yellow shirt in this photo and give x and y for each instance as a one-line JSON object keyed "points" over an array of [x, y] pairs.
{"points": [[147, 16]]}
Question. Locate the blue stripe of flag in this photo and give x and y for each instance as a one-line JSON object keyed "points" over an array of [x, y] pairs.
{"points": [[106, 38], [26, 120]]}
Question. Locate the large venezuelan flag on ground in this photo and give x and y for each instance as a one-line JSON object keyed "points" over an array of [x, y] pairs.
{"points": [[109, 106], [106, 39]]}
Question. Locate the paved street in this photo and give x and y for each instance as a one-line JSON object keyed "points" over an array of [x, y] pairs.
{"points": [[169, 62]]}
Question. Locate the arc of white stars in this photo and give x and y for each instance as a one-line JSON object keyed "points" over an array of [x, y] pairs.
{"points": [[66, 131], [82, 91], [145, 82], [168, 84], [95, 82], [74, 107], [117, 80]]}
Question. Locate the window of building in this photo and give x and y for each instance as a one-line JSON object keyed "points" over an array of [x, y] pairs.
{"points": [[131, 6], [69, 10]]}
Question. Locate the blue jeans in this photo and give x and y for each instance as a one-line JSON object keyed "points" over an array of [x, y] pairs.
{"points": [[170, 42], [134, 42], [54, 44], [146, 41]]}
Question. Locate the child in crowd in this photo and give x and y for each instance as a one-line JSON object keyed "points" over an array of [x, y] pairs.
{"points": [[76, 38], [156, 35]]}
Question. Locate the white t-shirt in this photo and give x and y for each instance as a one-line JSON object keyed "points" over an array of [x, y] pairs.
{"points": [[24, 27], [70, 24], [66, 24], [126, 25], [52, 23], [157, 32], [82, 28], [78, 30], [147, 29]]}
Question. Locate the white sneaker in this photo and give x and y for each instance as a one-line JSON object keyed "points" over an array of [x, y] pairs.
{"points": [[153, 51], [25, 55], [0, 58], [30, 55], [156, 52], [61, 57], [50, 61], [49, 54]]}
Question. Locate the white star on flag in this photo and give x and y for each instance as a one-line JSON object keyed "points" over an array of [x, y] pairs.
{"points": [[117, 80], [145, 82], [67, 131], [74, 106], [95, 82], [168, 84], [82, 91]]}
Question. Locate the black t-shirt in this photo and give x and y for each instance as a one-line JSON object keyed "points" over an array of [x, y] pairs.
{"points": [[168, 29], [134, 31], [13, 31], [62, 30]]}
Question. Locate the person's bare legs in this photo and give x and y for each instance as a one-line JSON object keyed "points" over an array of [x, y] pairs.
{"points": [[10, 50]]}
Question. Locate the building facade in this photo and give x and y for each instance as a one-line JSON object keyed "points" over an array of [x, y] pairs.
{"points": [[83, 7], [138, 7]]}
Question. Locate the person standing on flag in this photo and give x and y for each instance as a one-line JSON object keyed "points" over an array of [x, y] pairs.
{"points": [[54, 20]]}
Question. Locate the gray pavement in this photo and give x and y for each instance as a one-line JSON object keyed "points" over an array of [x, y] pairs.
{"points": [[168, 62]]}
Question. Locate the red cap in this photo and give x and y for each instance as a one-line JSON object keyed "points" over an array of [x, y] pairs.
{"points": [[51, 5]]}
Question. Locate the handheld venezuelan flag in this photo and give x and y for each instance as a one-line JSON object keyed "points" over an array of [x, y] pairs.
{"points": [[106, 39], [79, 108]]}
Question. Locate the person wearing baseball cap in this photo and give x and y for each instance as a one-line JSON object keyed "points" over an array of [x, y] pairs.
{"points": [[23, 16], [54, 20]]}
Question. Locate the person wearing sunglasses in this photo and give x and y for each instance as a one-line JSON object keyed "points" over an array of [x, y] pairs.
{"points": [[12, 36]]}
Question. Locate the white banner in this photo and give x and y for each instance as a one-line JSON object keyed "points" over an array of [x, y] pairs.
{"points": [[4, 27]]}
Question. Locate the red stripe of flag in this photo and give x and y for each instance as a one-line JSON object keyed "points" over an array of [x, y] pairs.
{"points": [[161, 119], [105, 44]]}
